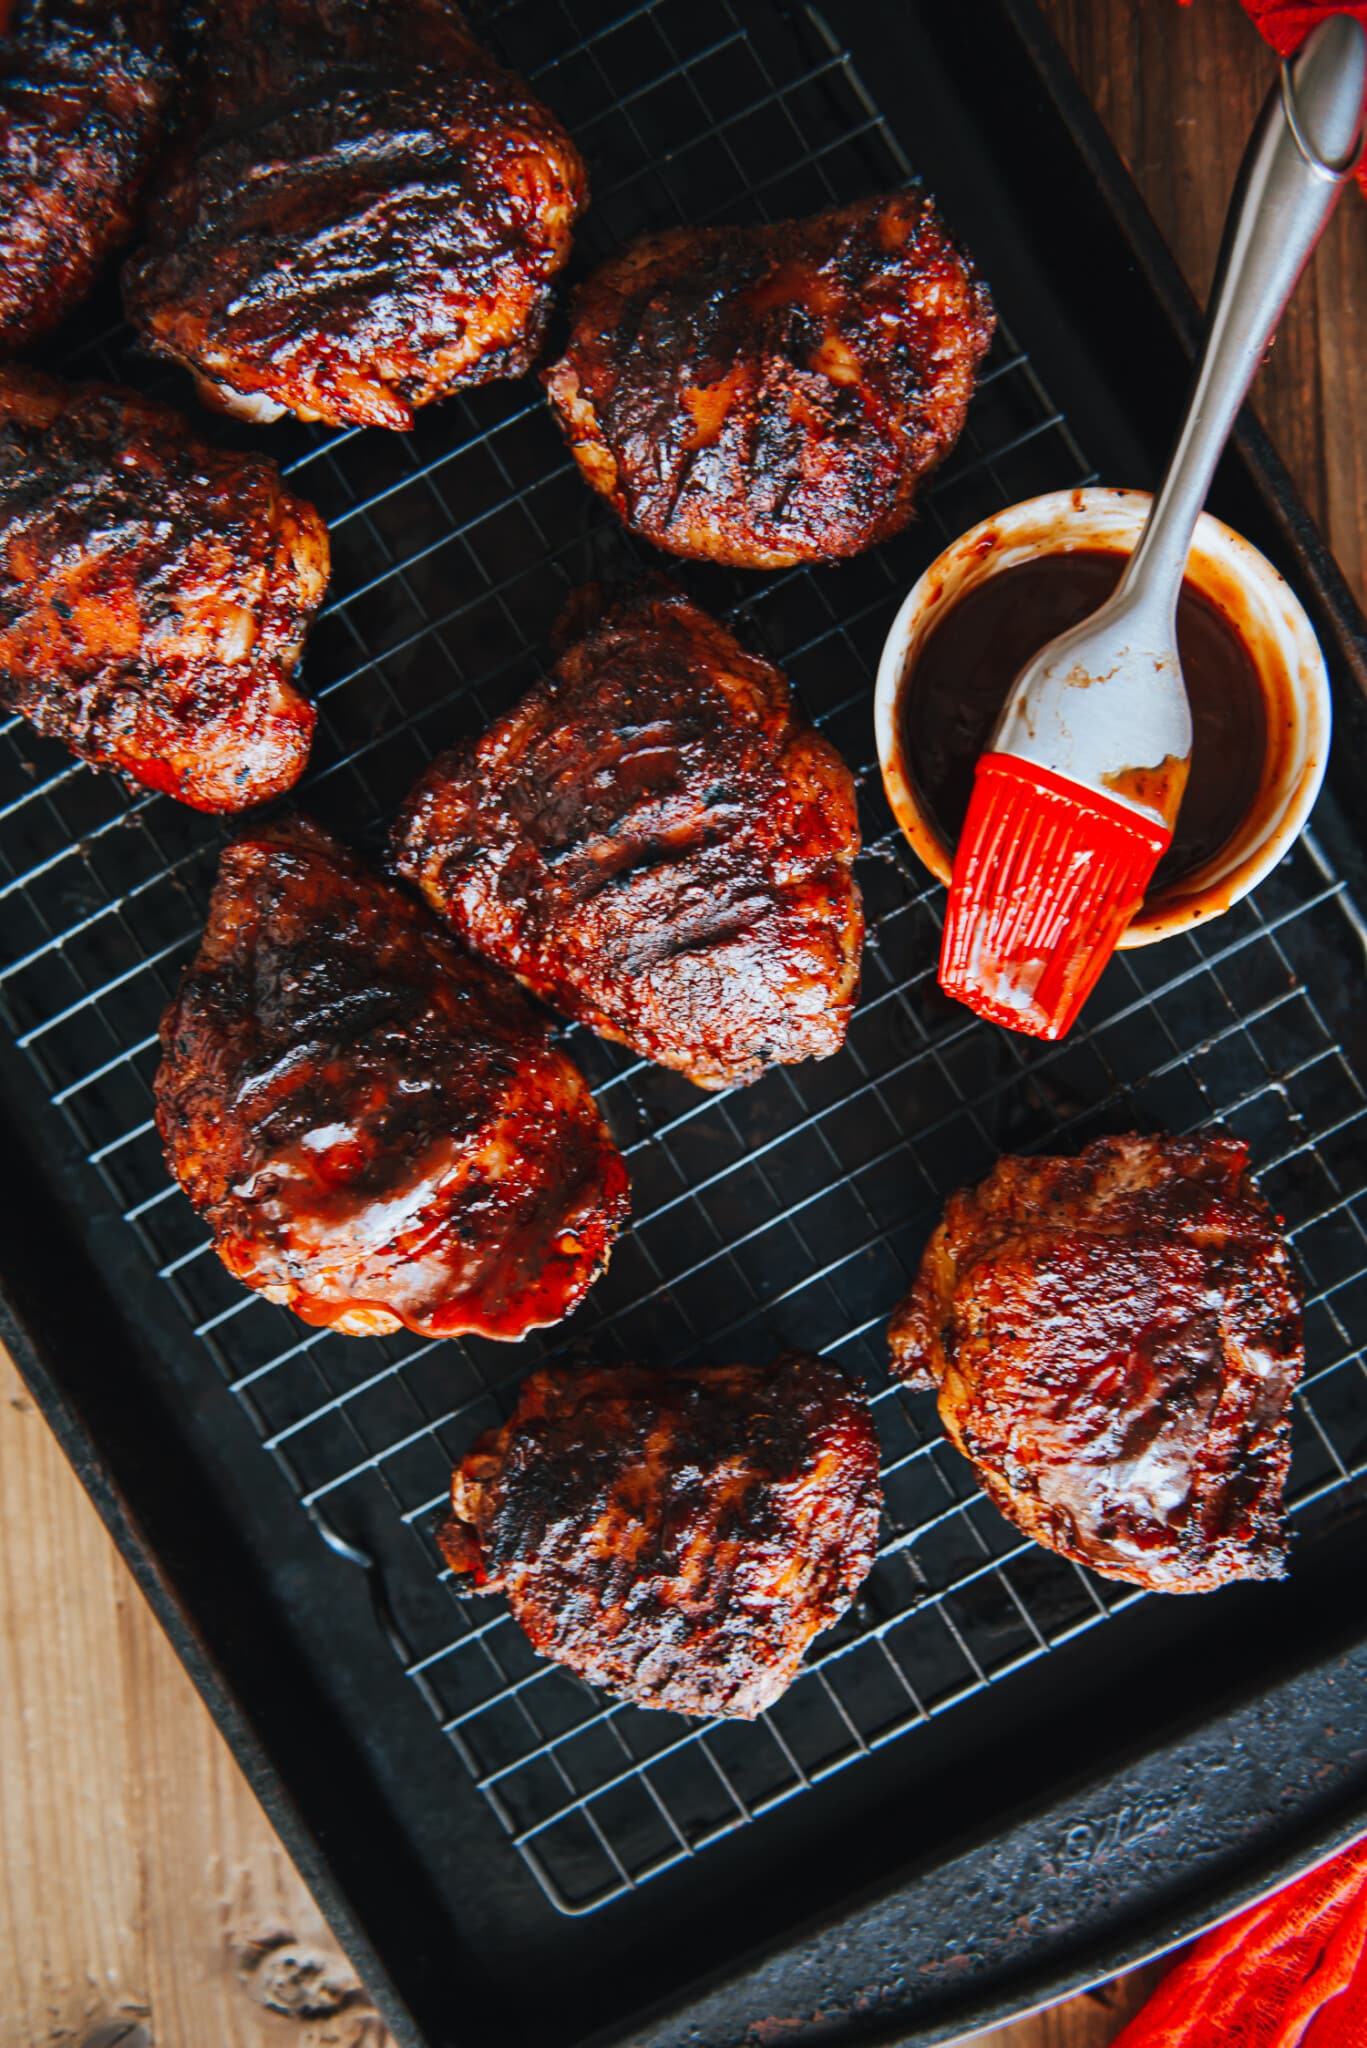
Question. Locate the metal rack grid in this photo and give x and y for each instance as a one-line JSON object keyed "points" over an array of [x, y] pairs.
{"points": [[793, 1211]]}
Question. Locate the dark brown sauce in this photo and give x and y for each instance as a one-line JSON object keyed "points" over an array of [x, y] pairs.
{"points": [[950, 701]]}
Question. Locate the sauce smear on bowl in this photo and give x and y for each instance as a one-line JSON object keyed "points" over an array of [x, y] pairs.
{"points": [[949, 702]]}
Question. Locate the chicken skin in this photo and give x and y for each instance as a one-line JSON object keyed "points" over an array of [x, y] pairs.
{"points": [[373, 1124], [657, 843], [84, 87], [675, 1537], [765, 396], [369, 216], [1116, 1339], [154, 594]]}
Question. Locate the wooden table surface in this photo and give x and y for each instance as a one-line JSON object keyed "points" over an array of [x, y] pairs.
{"points": [[143, 1896]]}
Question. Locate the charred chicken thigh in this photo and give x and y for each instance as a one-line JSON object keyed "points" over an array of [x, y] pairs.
{"points": [[154, 594], [657, 843], [764, 396], [369, 216], [1115, 1339], [84, 86], [676, 1537], [373, 1124]]}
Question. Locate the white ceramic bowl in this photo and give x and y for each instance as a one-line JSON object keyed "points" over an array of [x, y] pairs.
{"points": [[1268, 618]]}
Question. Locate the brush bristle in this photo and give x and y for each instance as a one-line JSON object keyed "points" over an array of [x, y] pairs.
{"points": [[1046, 878]]}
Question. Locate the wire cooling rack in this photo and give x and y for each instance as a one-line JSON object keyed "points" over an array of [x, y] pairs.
{"points": [[790, 1212]]}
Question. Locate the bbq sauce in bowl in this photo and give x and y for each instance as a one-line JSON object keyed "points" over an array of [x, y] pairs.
{"points": [[949, 702]]}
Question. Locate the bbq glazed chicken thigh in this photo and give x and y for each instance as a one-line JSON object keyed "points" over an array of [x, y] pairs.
{"points": [[154, 594], [675, 1537], [764, 396], [657, 843], [84, 87], [369, 216], [375, 1127], [1115, 1340]]}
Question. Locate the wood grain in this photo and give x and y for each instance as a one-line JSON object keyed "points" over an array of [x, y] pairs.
{"points": [[1179, 88], [1092, 2021], [144, 1899]]}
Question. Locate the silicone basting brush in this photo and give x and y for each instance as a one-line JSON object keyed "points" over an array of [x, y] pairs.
{"points": [[1074, 804]]}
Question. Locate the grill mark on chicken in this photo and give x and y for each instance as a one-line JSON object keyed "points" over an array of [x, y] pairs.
{"points": [[765, 396], [374, 1125], [656, 842], [1115, 1340], [371, 216], [84, 87], [154, 594], [677, 1537]]}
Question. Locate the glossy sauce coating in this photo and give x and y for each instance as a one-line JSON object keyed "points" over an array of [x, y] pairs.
{"points": [[676, 1537], [154, 594], [374, 1125], [769, 395], [1115, 1339], [85, 87], [968, 661], [657, 842], [365, 214]]}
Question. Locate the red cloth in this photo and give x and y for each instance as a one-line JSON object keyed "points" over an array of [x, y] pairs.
{"points": [[1290, 1973], [1286, 24]]}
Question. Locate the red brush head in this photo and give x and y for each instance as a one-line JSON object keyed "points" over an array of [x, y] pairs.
{"points": [[1046, 878]]}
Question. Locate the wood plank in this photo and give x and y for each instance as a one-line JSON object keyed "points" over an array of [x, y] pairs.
{"points": [[144, 1897], [1092, 2021], [1179, 89]]}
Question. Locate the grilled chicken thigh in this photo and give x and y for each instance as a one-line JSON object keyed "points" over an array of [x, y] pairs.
{"points": [[656, 842], [373, 1124], [764, 396], [370, 215], [154, 594], [676, 1537], [1115, 1339], [84, 86]]}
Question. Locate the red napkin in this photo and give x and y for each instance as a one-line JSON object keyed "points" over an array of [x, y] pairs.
{"points": [[1286, 24], [1290, 1973]]}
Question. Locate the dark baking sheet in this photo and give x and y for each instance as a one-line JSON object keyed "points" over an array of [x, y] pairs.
{"points": [[1000, 1775]]}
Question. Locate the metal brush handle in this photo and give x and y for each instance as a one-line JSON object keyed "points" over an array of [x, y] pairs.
{"points": [[1305, 147]]}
